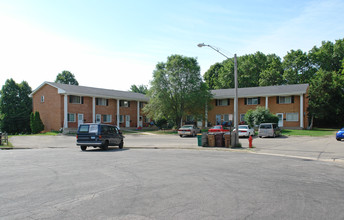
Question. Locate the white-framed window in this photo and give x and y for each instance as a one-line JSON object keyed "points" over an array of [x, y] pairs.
{"points": [[75, 99], [222, 102], [252, 101], [142, 104], [42, 98], [226, 117], [292, 116], [242, 117], [124, 103], [121, 118], [107, 118], [285, 99], [98, 118], [71, 117], [101, 101]]}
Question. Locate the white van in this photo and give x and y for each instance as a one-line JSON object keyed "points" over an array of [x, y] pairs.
{"points": [[269, 130]]}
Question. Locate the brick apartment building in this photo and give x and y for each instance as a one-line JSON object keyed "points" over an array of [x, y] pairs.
{"points": [[288, 102], [67, 106]]}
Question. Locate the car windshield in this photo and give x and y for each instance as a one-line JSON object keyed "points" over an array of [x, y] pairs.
{"points": [[83, 129], [265, 126], [342, 129], [243, 127], [93, 128], [187, 126], [216, 127]]}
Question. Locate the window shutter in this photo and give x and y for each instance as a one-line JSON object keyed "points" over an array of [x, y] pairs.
{"points": [[292, 99], [70, 99], [82, 100], [107, 102], [96, 101], [229, 101], [128, 103], [245, 101], [258, 100], [216, 102], [277, 99]]}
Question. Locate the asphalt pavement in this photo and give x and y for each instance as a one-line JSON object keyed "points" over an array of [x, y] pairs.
{"points": [[325, 148]]}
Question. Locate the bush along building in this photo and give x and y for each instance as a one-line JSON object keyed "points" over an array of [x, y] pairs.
{"points": [[288, 102], [63, 106]]}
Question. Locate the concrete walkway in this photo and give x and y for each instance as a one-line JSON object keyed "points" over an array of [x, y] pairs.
{"points": [[325, 148]]}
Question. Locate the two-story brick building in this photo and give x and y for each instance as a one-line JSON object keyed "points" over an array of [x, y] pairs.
{"points": [[67, 106], [288, 102]]}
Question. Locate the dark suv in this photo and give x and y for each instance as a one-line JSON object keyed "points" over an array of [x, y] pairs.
{"points": [[99, 135]]}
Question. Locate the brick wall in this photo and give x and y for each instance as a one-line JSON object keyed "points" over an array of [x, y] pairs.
{"points": [[49, 110]]}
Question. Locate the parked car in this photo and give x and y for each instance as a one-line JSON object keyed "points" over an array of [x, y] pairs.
{"points": [[188, 130], [340, 134], [218, 128], [269, 130], [245, 131], [99, 135]]}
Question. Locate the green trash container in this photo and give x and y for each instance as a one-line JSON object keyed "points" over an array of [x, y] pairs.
{"points": [[199, 140]]}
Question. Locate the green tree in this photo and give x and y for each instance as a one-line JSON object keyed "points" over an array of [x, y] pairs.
{"points": [[326, 99], [212, 75], [273, 74], [260, 115], [66, 77], [15, 107], [36, 123], [143, 89], [177, 89], [297, 67]]}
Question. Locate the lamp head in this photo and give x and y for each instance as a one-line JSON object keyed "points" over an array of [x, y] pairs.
{"points": [[201, 45]]}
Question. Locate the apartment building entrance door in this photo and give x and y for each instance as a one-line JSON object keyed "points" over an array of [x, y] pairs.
{"points": [[80, 119], [280, 119], [127, 121]]}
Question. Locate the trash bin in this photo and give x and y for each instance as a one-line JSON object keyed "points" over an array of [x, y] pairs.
{"points": [[219, 140], [227, 137], [211, 140], [204, 139], [199, 140]]}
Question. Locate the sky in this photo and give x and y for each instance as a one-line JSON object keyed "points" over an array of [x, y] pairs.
{"points": [[114, 44]]}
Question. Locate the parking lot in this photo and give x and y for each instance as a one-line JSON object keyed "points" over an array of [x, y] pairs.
{"points": [[325, 148]]}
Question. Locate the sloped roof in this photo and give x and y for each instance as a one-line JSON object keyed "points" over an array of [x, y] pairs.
{"points": [[94, 92], [284, 90]]}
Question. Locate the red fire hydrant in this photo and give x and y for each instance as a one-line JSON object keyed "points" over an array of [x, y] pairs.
{"points": [[250, 139]]}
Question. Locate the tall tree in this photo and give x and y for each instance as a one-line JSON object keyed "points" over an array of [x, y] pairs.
{"points": [[273, 74], [15, 107], [177, 90], [212, 75], [139, 89], [326, 98], [66, 77], [297, 67]]}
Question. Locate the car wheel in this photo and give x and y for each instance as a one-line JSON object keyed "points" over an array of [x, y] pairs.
{"points": [[260, 136], [274, 135], [83, 148], [181, 136], [338, 139], [121, 145], [193, 134], [105, 146]]}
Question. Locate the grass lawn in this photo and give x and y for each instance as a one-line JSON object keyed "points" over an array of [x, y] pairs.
{"points": [[316, 132]]}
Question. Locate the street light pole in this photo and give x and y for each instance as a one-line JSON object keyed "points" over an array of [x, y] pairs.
{"points": [[236, 139]]}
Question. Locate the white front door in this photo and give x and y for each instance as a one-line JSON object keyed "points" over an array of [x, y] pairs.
{"points": [[280, 119], [127, 121], [80, 119], [218, 119]]}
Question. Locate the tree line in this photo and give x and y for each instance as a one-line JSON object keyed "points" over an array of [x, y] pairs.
{"points": [[16, 116]]}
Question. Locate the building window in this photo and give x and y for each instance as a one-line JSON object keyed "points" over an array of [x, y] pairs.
{"points": [[242, 117], [76, 99], [145, 119], [101, 101], [121, 118], [252, 101], [142, 104], [285, 99], [292, 116], [107, 118], [98, 118], [71, 117], [42, 98], [222, 102], [226, 117], [123, 103]]}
